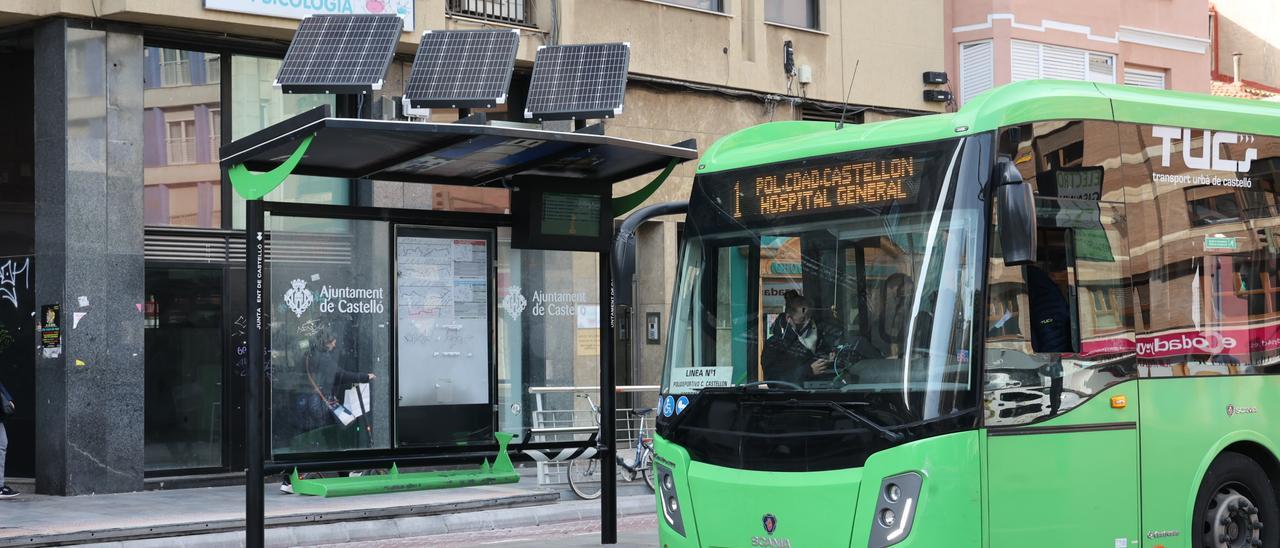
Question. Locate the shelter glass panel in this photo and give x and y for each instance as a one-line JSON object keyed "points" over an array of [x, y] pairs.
{"points": [[330, 335], [549, 330]]}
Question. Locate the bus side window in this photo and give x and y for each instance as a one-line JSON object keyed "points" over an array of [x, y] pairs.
{"points": [[1061, 329]]}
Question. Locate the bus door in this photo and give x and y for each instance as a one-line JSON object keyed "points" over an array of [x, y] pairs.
{"points": [[1062, 462]]}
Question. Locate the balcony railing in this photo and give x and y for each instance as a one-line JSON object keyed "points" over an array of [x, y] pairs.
{"points": [[516, 12]]}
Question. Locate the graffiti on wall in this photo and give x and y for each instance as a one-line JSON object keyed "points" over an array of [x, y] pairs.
{"points": [[13, 273]]}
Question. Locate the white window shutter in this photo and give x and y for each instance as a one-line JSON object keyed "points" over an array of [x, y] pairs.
{"points": [[1061, 63], [1025, 59], [1144, 78], [977, 69]]}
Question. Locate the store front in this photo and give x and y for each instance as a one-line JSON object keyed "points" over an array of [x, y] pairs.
{"points": [[137, 240]]}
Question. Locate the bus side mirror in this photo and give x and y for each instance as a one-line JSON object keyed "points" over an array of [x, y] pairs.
{"points": [[1017, 210]]}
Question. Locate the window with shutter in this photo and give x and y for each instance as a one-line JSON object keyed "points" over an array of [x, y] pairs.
{"points": [[1144, 78], [977, 69], [1031, 60], [1025, 58]]}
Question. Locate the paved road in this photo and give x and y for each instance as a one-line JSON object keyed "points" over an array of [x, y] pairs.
{"points": [[633, 532]]}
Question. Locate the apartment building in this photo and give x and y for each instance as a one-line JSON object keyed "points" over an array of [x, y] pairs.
{"points": [[1162, 44]]}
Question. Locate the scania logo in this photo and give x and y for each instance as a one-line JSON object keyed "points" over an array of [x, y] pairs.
{"points": [[770, 523], [1233, 410], [1212, 143]]}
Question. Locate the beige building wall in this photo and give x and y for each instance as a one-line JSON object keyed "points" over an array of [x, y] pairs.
{"points": [[1166, 36], [1250, 27]]}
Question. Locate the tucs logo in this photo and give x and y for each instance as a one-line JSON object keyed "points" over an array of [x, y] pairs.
{"points": [[298, 298], [1210, 157]]}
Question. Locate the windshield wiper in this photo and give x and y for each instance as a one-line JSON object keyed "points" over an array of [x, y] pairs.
{"points": [[884, 432]]}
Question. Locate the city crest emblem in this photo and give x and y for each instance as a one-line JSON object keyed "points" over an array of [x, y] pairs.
{"points": [[514, 302], [298, 298]]}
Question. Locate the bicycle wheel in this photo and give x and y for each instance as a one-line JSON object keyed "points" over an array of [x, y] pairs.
{"points": [[646, 468], [584, 478]]}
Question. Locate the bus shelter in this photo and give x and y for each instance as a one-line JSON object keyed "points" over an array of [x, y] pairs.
{"points": [[381, 335]]}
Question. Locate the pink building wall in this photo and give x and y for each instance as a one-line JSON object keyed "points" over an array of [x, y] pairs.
{"points": [[1170, 36]]}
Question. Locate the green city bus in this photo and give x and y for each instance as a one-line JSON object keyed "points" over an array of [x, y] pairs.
{"points": [[1051, 318]]}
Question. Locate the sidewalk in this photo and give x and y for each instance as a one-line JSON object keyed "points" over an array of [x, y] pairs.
{"points": [[214, 516]]}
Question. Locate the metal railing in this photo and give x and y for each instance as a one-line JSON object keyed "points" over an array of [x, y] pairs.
{"points": [[553, 421], [516, 12]]}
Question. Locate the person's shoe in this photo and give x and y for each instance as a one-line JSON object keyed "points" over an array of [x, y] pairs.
{"points": [[7, 493], [286, 487]]}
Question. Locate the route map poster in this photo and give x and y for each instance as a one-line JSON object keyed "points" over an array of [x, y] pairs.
{"points": [[442, 314]]}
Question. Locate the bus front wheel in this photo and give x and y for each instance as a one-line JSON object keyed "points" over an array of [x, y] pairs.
{"points": [[1236, 506]]}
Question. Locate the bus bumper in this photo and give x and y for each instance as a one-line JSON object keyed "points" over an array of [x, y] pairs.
{"points": [[703, 505]]}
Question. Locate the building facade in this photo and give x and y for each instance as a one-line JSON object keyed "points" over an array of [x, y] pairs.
{"points": [[121, 242], [1151, 43]]}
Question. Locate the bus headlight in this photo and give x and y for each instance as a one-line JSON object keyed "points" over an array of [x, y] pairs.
{"points": [[895, 509], [668, 499]]}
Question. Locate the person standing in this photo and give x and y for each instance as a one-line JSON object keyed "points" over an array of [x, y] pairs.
{"points": [[6, 400]]}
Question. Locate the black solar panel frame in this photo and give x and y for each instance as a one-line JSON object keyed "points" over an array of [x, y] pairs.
{"points": [[314, 52], [421, 71], [545, 73]]}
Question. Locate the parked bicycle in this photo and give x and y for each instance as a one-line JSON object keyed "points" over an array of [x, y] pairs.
{"points": [[585, 474]]}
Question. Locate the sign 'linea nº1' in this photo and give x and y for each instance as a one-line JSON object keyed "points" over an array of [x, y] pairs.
{"points": [[816, 189]]}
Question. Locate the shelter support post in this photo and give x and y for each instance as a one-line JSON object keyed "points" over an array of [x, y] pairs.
{"points": [[608, 409], [254, 518]]}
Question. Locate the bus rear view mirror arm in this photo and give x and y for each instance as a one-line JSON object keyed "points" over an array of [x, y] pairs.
{"points": [[1017, 216]]}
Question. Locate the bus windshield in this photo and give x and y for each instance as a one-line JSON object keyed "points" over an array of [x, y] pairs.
{"points": [[849, 278]]}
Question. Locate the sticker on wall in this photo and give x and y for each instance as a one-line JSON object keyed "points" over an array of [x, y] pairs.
{"points": [[83, 301], [76, 317], [51, 326], [80, 363]]}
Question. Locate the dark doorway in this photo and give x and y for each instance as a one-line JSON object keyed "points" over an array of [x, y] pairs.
{"points": [[17, 247]]}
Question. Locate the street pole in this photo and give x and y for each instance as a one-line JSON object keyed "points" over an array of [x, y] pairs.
{"points": [[608, 410], [254, 518]]}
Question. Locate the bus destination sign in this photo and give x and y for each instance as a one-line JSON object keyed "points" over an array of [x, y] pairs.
{"points": [[817, 189]]}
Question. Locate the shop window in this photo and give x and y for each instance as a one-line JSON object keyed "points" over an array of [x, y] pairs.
{"points": [[257, 104], [797, 13], [184, 368], [181, 137]]}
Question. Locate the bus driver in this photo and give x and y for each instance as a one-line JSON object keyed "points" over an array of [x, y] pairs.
{"points": [[799, 347]]}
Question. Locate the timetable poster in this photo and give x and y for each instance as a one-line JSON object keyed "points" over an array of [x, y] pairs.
{"points": [[442, 302]]}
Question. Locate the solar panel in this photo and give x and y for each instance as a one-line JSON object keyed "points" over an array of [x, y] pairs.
{"points": [[462, 68], [339, 54], [578, 81]]}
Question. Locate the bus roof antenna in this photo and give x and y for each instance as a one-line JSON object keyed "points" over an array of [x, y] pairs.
{"points": [[845, 107]]}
